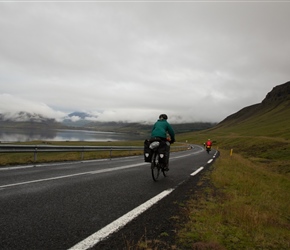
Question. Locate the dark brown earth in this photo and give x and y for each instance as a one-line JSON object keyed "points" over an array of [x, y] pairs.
{"points": [[156, 228]]}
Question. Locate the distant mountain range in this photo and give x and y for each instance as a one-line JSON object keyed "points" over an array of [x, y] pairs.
{"points": [[24, 117], [27, 120], [77, 119], [84, 121], [81, 121]]}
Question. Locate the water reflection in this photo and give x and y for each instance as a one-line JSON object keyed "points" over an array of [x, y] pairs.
{"points": [[24, 135]]}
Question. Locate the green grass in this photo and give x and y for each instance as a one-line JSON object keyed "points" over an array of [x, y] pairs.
{"points": [[246, 207], [247, 204]]}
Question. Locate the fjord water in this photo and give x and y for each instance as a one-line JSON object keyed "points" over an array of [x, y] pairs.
{"points": [[24, 135]]}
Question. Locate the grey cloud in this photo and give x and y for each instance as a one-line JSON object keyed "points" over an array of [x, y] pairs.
{"points": [[195, 61]]}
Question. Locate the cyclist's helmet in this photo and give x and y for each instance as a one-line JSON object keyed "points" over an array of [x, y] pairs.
{"points": [[163, 116]]}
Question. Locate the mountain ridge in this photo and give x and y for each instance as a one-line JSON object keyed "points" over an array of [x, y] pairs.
{"points": [[279, 96]]}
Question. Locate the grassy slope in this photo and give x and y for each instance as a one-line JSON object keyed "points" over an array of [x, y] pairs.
{"points": [[248, 204]]}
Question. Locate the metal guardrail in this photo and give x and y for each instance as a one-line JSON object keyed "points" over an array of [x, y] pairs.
{"points": [[51, 148]]}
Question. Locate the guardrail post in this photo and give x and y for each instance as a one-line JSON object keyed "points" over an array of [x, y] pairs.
{"points": [[82, 154], [35, 154]]}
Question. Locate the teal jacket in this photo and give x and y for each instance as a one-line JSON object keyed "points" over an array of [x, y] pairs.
{"points": [[160, 129]]}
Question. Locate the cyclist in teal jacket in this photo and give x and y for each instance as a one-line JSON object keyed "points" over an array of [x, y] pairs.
{"points": [[160, 130], [161, 127]]}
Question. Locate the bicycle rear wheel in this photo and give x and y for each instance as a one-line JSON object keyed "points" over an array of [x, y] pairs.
{"points": [[164, 172], [155, 170]]}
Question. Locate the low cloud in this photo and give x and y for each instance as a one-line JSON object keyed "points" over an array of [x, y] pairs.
{"points": [[11, 106], [194, 61]]}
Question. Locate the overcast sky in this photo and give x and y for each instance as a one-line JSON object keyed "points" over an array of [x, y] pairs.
{"points": [[132, 60]]}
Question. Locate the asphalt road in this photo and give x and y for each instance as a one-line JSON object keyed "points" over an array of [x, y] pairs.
{"points": [[63, 205]]}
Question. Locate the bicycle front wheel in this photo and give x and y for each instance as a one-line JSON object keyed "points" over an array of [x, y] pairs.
{"points": [[155, 170]]}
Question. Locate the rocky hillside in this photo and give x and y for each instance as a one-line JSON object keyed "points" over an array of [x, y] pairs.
{"points": [[278, 97], [280, 93]]}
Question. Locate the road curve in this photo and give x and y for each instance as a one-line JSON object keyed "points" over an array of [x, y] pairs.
{"points": [[78, 204]]}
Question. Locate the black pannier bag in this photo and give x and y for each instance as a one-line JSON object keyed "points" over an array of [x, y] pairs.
{"points": [[163, 152], [147, 151]]}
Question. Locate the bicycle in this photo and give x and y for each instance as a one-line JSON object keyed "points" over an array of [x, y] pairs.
{"points": [[208, 149], [156, 166], [156, 151]]}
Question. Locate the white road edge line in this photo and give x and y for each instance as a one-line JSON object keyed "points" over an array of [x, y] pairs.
{"points": [[49, 164], [119, 223], [72, 175], [197, 171]]}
